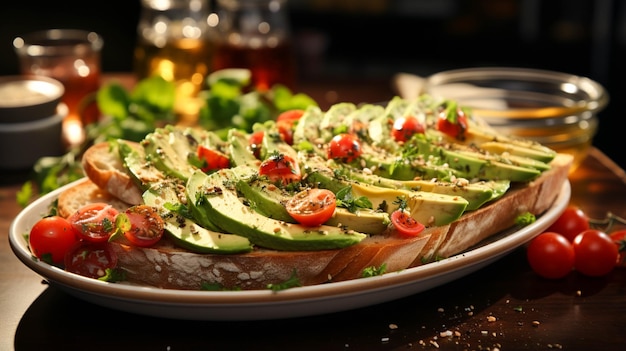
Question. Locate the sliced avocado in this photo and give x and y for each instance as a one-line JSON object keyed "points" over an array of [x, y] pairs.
{"points": [[219, 199], [426, 205], [477, 194], [363, 220], [522, 147], [428, 208], [475, 164], [239, 151], [333, 118], [307, 128], [187, 233], [265, 198], [143, 172], [169, 149], [518, 149]]}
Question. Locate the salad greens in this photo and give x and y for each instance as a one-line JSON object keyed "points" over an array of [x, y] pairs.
{"points": [[228, 101]]}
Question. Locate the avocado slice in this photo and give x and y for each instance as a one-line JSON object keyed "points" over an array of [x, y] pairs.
{"points": [[239, 151], [477, 193], [216, 194], [169, 148], [265, 198], [188, 234], [427, 207], [363, 220], [138, 166]]}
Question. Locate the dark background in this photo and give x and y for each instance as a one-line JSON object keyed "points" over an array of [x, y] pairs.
{"points": [[379, 38]]}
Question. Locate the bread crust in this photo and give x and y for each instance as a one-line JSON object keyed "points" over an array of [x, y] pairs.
{"points": [[105, 168], [168, 266]]}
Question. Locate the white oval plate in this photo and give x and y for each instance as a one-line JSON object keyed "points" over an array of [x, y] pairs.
{"points": [[266, 304]]}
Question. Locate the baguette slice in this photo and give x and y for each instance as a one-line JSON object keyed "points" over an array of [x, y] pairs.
{"points": [[83, 193], [103, 165], [535, 197], [168, 266]]}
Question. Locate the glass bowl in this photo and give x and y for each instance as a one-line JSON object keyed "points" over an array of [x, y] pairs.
{"points": [[556, 109]]}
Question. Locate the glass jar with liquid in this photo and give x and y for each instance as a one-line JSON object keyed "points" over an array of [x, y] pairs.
{"points": [[256, 34], [173, 42]]}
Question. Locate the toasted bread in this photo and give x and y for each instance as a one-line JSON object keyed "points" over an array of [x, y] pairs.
{"points": [[168, 266], [103, 165]]}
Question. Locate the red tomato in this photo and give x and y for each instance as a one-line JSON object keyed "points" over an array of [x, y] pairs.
{"points": [[551, 255], [51, 237], [344, 147], [405, 127], [570, 223], [596, 253], [256, 140], [285, 129], [619, 238], [290, 115], [144, 226], [212, 159], [405, 225], [90, 259], [285, 123], [94, 222], [454, 126], [280, 168], [312, 207]]}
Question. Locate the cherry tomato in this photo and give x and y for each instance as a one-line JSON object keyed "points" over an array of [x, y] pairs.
{"points": [[285, 123], [405, 225], [453, 123], [256, 140], [212, 159], [290, 115], [570, 223], [551, 255], [405, 127], [619, 238], [51, 237], [280, 168], [94, 222], [595, 252], [90, 259], [143, 226], [312, 207], [344, 147]]}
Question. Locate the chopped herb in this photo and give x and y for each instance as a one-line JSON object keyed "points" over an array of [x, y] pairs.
{"points": [[346, 200], [373, 271], [292, 282], [525, 219]]}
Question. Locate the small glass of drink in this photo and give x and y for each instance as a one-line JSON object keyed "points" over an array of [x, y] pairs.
{"points": [[71, 56], [173, 43], [256, 34]]}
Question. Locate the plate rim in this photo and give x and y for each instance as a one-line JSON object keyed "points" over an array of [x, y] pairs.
{"points": [[218, 299]]}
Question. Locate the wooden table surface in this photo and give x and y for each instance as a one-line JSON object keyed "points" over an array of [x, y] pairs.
{"points": [[576, 313]]}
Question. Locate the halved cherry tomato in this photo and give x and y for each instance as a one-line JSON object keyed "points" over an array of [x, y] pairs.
{"points": [[212, 159], [405, 225], [550, 255], [290, 115], [453, 122], [344, 147], [595, 253], [570, 223], [280, 168], [256, 140], [405, 127], [94, 222], [285, 123], [312, 207], [143, 226], [90, 259], [619, 238], [51, 237]]}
